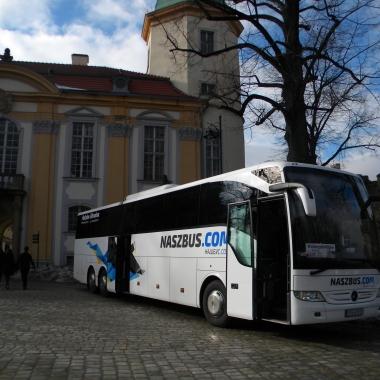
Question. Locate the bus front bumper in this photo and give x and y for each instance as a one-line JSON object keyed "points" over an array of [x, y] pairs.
{"points": [[308, 312]]}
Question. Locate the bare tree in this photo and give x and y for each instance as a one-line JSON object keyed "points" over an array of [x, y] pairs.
{"points": [[309, 70]]}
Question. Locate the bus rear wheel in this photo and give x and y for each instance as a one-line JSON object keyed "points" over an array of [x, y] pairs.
{"points": [[103, 283], [214, 304], [91, 281]]}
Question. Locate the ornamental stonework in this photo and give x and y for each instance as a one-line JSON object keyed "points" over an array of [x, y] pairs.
{"points": [[46, 126], [192, 134], [5, 101], [119, 130]]}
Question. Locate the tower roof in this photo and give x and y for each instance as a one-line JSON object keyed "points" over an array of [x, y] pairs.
{"points": [[167, 3]]}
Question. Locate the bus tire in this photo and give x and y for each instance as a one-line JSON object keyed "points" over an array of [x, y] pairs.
{"points": [[91, 281], [103, 283], [214, 304]]}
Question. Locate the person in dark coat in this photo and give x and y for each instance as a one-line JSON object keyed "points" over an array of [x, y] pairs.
{"points": [[24, 262], [2, 254], [8, 265]]}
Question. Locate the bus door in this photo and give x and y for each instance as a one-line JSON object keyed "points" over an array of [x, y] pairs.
{"points": [[239, 261], [272, 281], [123, 263]]}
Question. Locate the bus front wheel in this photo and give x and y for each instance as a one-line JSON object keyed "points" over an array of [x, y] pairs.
{"points": [[103, 283], [91, 281], [215, 304]]}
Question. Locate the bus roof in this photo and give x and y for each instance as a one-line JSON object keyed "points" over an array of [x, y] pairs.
{"points": [[244, 175]]}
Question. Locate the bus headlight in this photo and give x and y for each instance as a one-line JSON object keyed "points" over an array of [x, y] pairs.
{"points": [[309, 296], [378, 293]]}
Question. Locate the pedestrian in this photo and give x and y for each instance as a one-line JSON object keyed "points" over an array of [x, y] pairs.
{"points": [[24, 262], [8, 265], [2, 253]]}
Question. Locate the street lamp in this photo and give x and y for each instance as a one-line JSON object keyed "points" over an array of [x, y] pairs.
{"points": [[214, 132]]}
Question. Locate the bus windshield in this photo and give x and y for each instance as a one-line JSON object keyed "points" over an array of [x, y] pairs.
{"points": [[343, 233]]}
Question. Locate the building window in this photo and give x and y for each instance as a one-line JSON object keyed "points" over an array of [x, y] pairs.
{"points": [[82, 150], [212, 157], [154, 152], [207, 88], [207, 41], [70, 261], [73, 215], [9, 142]]}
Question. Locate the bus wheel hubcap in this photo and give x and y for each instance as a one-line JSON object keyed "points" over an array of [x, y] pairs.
{"points": [[215, 303]]}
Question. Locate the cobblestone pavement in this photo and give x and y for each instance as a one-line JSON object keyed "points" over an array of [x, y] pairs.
{"points": [[61, 331]]}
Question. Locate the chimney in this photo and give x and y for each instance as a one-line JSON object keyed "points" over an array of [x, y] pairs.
{"points": [[335, 166], [80, 59]]}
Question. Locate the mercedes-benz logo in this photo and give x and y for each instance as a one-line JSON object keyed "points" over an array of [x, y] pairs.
{"points": [[354, 295]]}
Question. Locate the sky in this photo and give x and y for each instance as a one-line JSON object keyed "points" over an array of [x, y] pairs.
{"points": [[109, 32]]}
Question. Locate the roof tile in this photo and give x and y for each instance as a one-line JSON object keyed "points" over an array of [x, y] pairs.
{"points": [[99, 79]]}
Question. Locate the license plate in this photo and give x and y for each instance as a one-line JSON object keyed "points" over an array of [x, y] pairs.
{"points": [[353, 312]]}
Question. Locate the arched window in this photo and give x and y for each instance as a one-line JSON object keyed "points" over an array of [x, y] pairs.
{"points": [[9, 142], [73, 214]]}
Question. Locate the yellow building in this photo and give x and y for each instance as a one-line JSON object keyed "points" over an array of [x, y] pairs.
{"points": [[75, 137]]}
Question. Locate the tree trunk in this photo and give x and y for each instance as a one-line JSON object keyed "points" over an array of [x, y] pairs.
{"points": [[296, 134]]}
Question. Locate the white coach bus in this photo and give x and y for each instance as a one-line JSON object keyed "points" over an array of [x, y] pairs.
{"points": [[284, 242]]}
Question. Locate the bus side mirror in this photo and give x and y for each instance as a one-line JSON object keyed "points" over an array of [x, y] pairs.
{"points": [[304, 192]]}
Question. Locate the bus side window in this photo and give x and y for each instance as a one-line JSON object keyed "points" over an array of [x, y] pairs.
{"points": [[128, 218], [181, 209], [216, 196], [213, 208], [239, 233], [149, 214]]}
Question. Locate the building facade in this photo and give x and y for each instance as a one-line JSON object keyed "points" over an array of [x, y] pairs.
{"points": [[75, 137], [79, 137]]}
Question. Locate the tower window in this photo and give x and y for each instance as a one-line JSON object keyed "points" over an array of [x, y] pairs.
{"points": [[207, 88], [207, 41]]}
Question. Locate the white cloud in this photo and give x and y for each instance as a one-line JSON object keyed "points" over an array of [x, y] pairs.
{"points": [[259, 148], [25, 15], [37, 39], [115, 11]]}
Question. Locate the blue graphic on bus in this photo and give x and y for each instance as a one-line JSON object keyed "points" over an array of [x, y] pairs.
{"points": [[135, 271], [111, 271], [109, 261]]}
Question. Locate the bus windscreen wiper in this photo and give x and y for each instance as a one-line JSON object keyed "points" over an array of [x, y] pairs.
{"points": [[313, 272]]}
